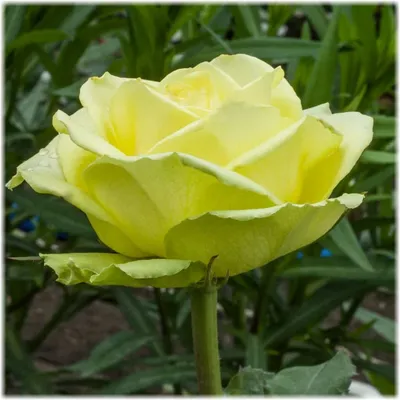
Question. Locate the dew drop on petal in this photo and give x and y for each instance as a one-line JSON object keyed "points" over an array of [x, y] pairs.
{"points": [[44, 163], [43, 152]]}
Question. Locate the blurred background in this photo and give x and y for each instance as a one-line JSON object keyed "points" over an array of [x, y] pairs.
{"points": [[336, 293]]}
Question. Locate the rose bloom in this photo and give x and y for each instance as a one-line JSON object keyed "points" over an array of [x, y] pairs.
{"points": [[216, 160]]}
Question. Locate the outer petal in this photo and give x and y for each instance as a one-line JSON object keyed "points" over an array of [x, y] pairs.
{"points": [[230, 131], [146, 196], [44, 174], [247, 239], [116, 239], [281, 163], [356, 131], [115, 269], [141, 117]]}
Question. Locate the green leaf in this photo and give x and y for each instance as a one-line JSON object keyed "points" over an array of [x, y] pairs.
{"points": [[385, 370], [330, 378], [185, 14], [314, 309], [251, 19], [54, 211], [336, 268], [278, 15], [344, 237], [317, 16], [76, 18], [321, 78], [384, 386], [150, 378], [110, 352], [39, 36], [30, 105], [383, 326], [363, 17], [14, 17], [377, 157], [21, 365], [250, 381], [137, 316], [384, 127], [376, 179], [255, 352], [18, 270], [71, 91], [270, 48]]}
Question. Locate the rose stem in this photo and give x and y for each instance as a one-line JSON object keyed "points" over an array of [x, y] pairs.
{"points": [[205, 338]]}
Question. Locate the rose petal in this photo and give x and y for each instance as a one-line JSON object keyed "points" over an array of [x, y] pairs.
{"points": [[115, 269], [247, 239]]}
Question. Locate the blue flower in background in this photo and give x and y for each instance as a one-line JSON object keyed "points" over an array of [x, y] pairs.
{"points": [[29, 225], [325, 253], [62, 236]]}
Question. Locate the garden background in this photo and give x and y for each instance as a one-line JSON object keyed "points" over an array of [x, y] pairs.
{"points": [[336, 293]]}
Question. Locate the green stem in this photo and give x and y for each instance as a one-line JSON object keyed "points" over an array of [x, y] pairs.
{"points": [[205, 339]]}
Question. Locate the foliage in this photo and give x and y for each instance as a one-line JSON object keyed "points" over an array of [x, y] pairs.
{"points": [[274, 316]]}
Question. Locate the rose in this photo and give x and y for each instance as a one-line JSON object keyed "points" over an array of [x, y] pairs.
{"points": [[216, 160]]}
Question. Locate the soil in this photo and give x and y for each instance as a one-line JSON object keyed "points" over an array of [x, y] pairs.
{"points": [[74, 339]]}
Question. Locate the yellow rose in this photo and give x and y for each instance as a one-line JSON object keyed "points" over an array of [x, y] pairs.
{"points": [[219, 159]]}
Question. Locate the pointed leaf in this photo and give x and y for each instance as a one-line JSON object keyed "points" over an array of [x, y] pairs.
{"points": [[330, 378]]}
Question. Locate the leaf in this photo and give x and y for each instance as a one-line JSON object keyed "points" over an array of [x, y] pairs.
{"points": [[110, 352], [385, 370], [314, 309], [14, 17], [137, 316], [383, 385], [330, 378], [255, 352], [76, 18], [250, 381], [270, 48], [20, 364], [336, 268], [383, 326], [251, 19], [278, 15], [54, 211], [71, 91], [317, 16], [39, 36], [141, 380], [18, 270], [378, 157], [344, 237], [30, 105], [320, 83], [185, 14], [375, 179], [384, 127], [363, 18]]}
